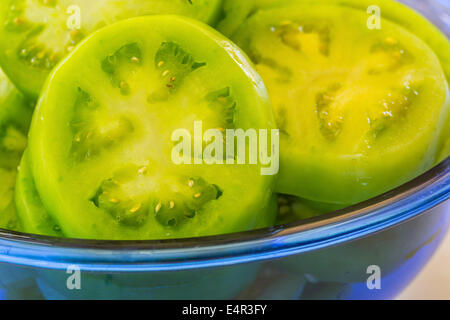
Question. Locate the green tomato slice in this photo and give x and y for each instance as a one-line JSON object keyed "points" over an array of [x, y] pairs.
{"points": [[37, 34], [33, 216], [360, 111], [15, 115], [101, 139]]}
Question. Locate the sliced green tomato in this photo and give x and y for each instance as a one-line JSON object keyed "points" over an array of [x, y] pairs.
{"points": [[235, 13], [8, 215], [33, 216], [15, 115], [100, 144], [37, 34], [360, 111]]}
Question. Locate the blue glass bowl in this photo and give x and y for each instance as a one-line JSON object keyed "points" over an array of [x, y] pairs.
{"points": [[368, 251]]}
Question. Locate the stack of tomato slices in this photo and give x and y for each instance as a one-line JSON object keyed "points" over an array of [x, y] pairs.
{"points": [[360, 103]]}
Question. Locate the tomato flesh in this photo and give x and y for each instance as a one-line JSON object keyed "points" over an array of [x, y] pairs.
{"points": [[33, 216], [38, 34]]}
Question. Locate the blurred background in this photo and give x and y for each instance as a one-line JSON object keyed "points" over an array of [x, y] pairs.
{"points": [[434, 280]]}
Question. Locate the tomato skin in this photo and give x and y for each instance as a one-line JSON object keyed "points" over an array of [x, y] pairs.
{"points": [[30, 210], [30, 79], [67, 186]]}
